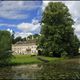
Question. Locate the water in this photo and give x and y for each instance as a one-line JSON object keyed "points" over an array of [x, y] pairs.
{"points": [[69, 69]]}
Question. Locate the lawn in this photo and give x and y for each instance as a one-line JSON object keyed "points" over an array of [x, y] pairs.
{"points": [[24, 59], [28, 59]]}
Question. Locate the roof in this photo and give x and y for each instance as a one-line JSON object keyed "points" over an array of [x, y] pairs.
{"points": [[28, 42]]}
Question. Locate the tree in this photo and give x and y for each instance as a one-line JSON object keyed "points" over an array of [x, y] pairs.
{"points": [[24, 39], [13, 39], [35, 36], [5, 47], [17, 39], [57, 35], [29, 37]]}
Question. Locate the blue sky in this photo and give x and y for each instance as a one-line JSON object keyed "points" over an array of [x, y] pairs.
{"points": [[20, 16], [23, 17]]}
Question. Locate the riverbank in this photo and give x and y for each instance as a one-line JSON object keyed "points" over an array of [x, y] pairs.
{"points": [[28, 59], [24, 59], [54, 69]]}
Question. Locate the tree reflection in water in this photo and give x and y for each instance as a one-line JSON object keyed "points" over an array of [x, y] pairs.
{"points": [[59, 70], [6, 73]]}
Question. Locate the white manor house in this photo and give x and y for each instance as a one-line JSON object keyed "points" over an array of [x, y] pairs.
{"points": [[25, 47]]}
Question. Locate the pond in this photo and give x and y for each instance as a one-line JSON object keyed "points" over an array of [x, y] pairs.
{"points": [[69, 69]]}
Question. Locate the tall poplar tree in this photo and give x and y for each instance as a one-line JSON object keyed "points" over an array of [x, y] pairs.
{"points": [[57, 35]]}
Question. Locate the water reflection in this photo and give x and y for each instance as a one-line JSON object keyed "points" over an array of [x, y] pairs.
{"points": [[6, 73], [58, 70], [69, 70], [25, 71], [19, 72]]}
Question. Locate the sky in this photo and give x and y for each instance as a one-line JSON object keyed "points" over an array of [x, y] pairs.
{"points": [[23, 17]]}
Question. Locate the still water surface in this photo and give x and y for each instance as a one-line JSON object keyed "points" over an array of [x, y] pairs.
{"points": [[59, 70]]}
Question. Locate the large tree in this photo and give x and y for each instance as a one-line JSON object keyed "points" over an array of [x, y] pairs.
{"points": [[5, 47], [57, 34]]}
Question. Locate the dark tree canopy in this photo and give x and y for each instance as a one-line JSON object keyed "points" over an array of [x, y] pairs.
{"points": [[19, 38], [35, 36], [29, 37], [5, 46], [13, 38], [57, 35]]}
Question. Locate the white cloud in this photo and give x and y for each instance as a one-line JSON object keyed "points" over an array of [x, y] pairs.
{"points": [[34, 26], [7, 25], [12, 9], [29, 27], [10, 30], [25, 26], [45, 3], [74, 9], [77, 28], [22, 34]]}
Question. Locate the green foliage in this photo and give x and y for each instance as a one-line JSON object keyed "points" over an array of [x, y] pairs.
{"points": [[29, 37], [35, 36], [29, 59], [24, 59], [14, 40], [5, 47], [57, 34], [12, 37], [24, 39], [19, 38]]}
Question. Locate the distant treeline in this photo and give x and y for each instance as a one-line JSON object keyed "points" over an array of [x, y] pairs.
{"points": [[19, 38]]}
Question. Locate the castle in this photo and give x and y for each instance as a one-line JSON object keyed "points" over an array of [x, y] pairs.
{"points": [[25, 47]]}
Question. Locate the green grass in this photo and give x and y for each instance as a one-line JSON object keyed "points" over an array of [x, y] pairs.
{"points": [[28, 59], [51, 58], [24, 59]]}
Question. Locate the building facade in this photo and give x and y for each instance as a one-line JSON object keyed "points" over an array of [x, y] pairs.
{"points": [[25, 47]]}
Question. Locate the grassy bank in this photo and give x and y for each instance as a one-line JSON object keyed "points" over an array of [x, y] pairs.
{"points": [[28, 59], [24, 59]]}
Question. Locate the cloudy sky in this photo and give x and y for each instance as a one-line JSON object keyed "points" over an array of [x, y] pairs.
{"points": [[23, 17]]}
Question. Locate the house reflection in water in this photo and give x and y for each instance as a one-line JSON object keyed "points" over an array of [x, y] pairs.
{"points": [[25, 47]]}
